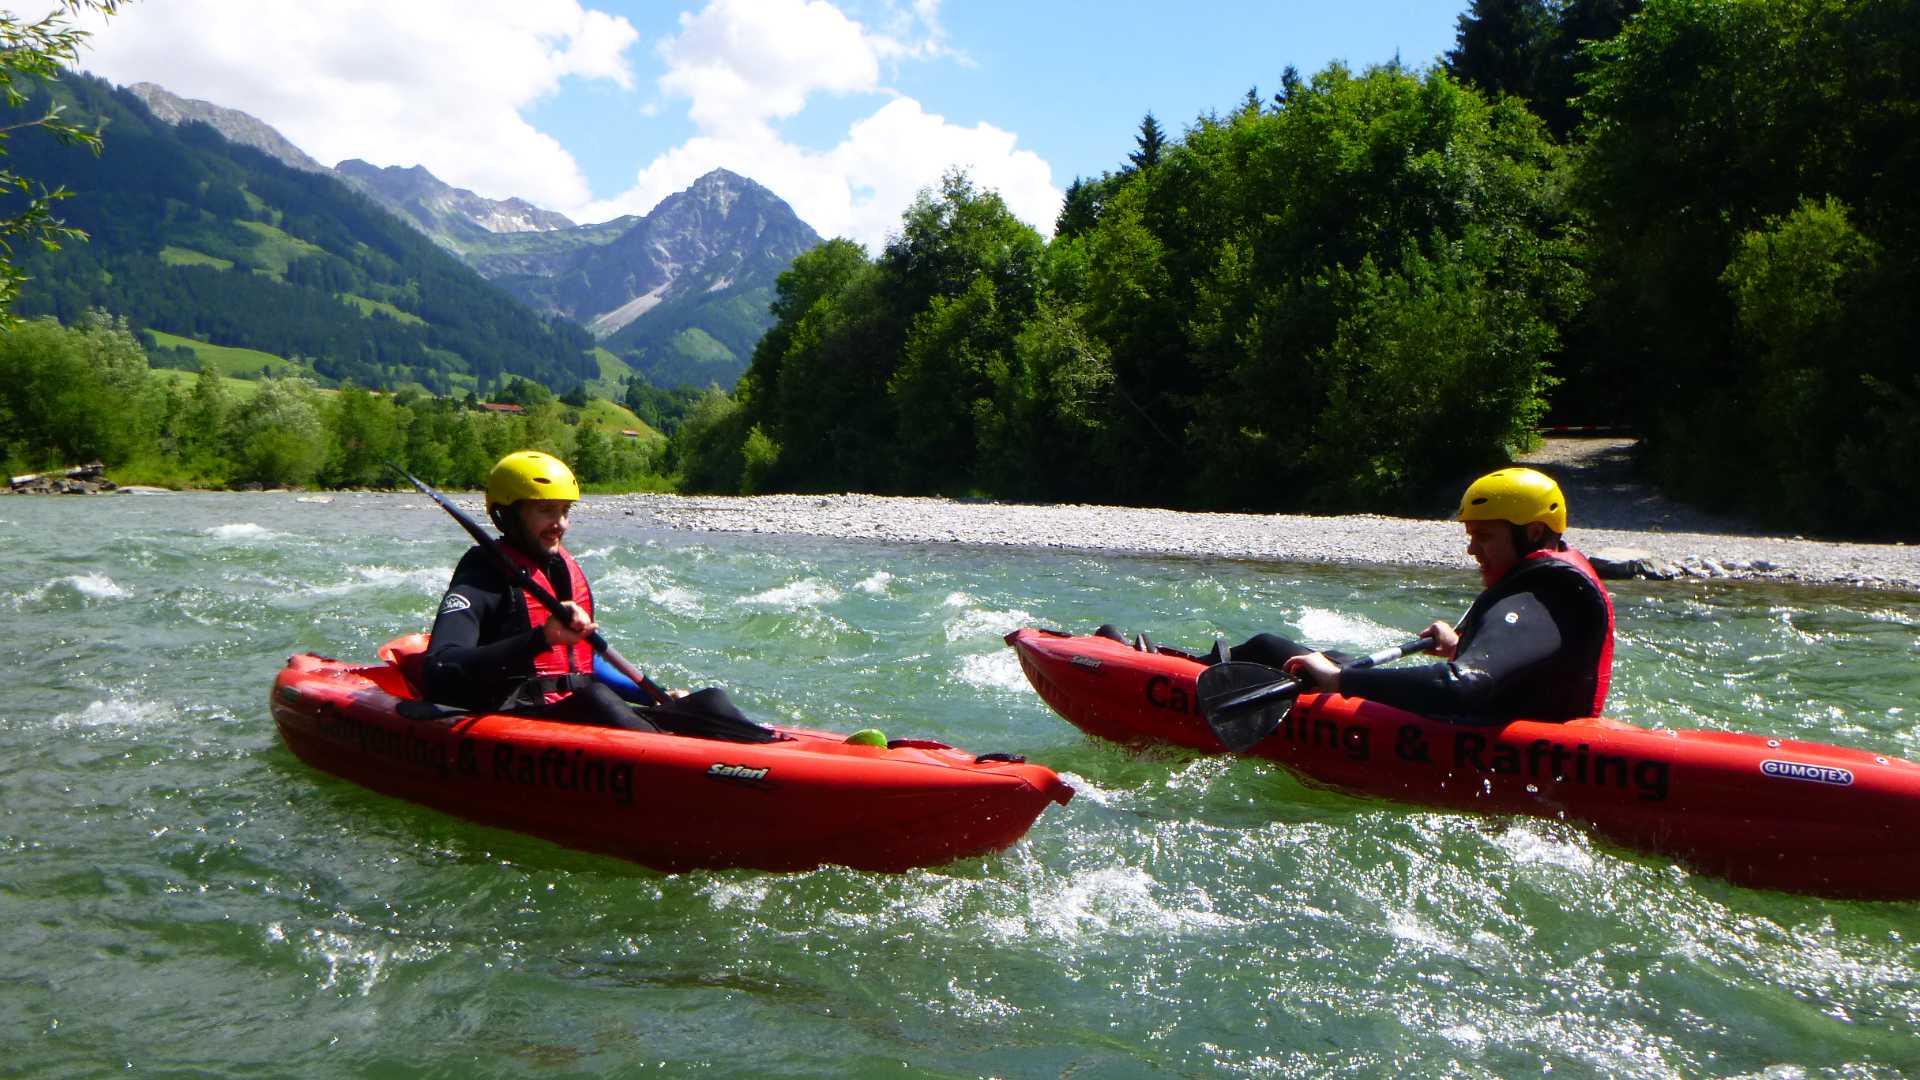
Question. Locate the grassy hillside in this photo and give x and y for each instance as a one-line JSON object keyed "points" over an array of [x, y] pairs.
{"points": [[613, 417], [199, 238], [614, 372], [228, 360]]}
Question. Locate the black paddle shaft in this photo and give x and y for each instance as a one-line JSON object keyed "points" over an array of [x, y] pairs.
{"points": [[1244, 703], [526, 581]]}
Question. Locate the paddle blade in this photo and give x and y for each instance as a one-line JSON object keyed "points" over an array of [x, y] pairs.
{"points": [[1244, 703]]}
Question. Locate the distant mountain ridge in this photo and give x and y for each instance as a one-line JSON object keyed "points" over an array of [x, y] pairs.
{"points": [[723, 235], [680, 294], [237, 126], [443, 211], [201, 238]]}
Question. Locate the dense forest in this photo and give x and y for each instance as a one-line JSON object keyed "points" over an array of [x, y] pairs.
{"points": [[1697, 219], [86, 393], [199, 237]]}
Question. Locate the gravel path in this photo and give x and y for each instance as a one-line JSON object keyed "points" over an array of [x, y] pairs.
{"points": [[1610, 512]]}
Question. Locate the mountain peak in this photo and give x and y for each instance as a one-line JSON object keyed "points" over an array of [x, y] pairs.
{"points": [[236, 126]]}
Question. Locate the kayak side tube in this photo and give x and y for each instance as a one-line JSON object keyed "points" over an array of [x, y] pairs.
{"points": [[666, 801], [1760, 811]]}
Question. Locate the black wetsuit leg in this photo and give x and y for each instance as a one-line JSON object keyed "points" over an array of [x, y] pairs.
{"points": [[597, 705], [1274, 650], [1269, 649]]}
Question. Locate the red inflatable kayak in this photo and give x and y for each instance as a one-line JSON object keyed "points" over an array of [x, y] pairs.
{"points": [[1770, 813], [668, 801]]}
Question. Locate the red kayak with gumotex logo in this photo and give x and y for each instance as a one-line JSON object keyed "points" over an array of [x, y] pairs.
{"points": [[1759, 811], [671, 802]]}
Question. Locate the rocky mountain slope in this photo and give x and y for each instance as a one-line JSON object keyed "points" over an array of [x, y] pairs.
{"points": [[204, 243], [451, 216], [237, 126], [680, 294]]}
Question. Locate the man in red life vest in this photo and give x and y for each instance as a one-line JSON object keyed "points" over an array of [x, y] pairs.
{"points": [[1536, 644], [495, 647]]}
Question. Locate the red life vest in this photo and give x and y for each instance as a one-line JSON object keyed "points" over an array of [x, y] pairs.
{"points": [[1602, 664], [555, 660]]}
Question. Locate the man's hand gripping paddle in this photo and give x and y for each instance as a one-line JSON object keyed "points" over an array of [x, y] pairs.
{"points": [[1244, 703]]}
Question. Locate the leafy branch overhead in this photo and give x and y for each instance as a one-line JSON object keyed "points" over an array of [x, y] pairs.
{"points": [[30, 51]]}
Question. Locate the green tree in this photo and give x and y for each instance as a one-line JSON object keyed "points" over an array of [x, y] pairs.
{"points": [[430, 437], [280, 439], [1733, 145], [1500, 46], [969, 271], [200, 426], [1051, 430], [468, 460], [592, 455], [1148, 144], [818, 384], [1085, 198], [70, 395], [1800, 287], [366, 431], [707, 450], [33, 50], [1259, 295], [758, 456], [525, 393]]}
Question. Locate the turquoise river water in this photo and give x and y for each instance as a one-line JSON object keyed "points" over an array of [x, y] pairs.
{"points": [[180, 896]]}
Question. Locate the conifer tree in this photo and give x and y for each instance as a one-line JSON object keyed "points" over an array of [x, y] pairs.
{"points": [[1150, 141], [1499, 46]]}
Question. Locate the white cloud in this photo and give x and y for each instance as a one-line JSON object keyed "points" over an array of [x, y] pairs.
{"points": [[742, 65], [441, 83], [741, 62], [449, 84]]}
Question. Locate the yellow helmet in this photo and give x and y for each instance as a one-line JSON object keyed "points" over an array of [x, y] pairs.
{"points": [[530, 474], [1521, 496]]}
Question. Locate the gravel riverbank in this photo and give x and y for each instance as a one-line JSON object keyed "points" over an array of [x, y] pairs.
{"points": [[1612, 511], [1278, 537]]}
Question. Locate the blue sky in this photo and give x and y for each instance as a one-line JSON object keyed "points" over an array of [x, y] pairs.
{"points": [[845, 108]]}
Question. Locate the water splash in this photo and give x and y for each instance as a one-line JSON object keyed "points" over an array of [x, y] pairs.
{"points": [[647, 584], [243, 530], [74, 590], [984, 624], [425, 581], [1321, 626], [805, 593], [117, 713], [993, 671]]}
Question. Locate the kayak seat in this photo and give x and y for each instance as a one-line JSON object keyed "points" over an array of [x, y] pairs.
{"points": [[407, 655], [1111, 633]]}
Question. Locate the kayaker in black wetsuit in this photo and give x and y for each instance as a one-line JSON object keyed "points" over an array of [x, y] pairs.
{"points": [[1536, 644], [494, 647]]}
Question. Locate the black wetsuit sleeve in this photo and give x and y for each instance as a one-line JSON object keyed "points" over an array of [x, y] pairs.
{"points": [[1517, 636], [475, 651]]}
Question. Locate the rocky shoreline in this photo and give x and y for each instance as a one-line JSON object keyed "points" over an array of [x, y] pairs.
{"points": [[1627, 530], [1362, 539]]}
